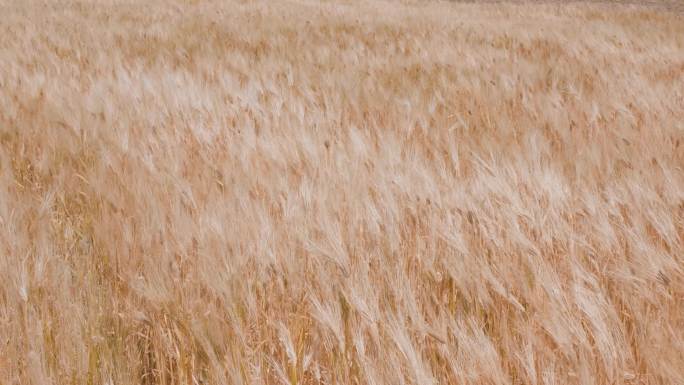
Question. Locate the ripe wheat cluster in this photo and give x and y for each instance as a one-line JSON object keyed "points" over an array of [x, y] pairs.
{"points": [[300, 192]]}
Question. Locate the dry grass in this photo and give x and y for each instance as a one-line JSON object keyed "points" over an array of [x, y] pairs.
{"points": [[294, 192]]}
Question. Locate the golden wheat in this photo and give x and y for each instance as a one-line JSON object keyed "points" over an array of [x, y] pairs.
{"points": [[300, 192]]}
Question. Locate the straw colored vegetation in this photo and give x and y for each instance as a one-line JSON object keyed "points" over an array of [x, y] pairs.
{"points": [[299, 192]]}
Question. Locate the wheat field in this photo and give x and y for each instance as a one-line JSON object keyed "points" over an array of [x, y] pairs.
{"points": [[341, 192]]}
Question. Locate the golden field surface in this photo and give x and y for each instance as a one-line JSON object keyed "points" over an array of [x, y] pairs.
{"points": [[301, 192]]}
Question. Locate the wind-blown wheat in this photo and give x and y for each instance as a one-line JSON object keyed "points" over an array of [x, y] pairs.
{"points": [[299, 192]]}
